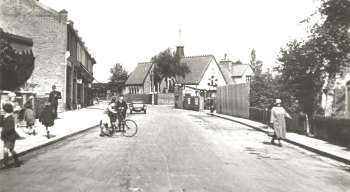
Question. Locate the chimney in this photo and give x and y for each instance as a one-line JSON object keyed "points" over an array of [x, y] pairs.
{"points": [[63, 14]]}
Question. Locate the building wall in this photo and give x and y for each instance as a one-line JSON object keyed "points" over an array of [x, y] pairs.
{"points": [[243, 79], [147, 85], [48, 29]]}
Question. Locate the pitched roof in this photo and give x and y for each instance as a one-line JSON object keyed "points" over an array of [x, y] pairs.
{"points": [[239, 69], [197, 65], [138, 76], [226, 73]]}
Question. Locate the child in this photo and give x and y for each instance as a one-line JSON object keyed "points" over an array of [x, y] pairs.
{"points": [[29, 117], [47, 118], [9, 135]]}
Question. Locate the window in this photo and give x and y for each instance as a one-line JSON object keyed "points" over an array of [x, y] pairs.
{"points": [[248, 78]]}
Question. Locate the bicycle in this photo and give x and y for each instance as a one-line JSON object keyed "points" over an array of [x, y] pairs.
{"points": [[128, 128]]}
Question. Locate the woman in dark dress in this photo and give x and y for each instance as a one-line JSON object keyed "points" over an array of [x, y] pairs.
{"points": [[9, 135], [47, 118]]}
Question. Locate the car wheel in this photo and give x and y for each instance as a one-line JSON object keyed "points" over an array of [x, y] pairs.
{"points": [[130, 112]]}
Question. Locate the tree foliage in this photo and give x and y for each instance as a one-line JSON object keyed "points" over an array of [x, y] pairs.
{"points": [[7, 54], [167, 65], [118, 73], [16, 67], [254, 63], [302, 74]]}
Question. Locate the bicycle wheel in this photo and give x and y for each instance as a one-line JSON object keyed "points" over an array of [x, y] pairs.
{"points": [[130, 128]]}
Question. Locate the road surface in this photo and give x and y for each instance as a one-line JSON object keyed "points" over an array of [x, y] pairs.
{"points": [[175, 151]]}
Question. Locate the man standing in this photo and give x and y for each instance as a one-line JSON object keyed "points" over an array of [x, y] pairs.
{"points": [[121, 107], [53, 99]]}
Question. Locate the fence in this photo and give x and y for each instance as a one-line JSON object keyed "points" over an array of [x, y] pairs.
{"points": [[334, 130], [259, 115], [147, 98], [166, 99], [233, 100]]}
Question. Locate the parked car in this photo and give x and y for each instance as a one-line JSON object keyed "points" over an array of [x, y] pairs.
{"points": [[138, 106]]}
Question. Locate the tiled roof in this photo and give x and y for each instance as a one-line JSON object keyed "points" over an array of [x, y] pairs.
{"points": [[239, 69], [226, 73], [138, 76], [197, 66]]}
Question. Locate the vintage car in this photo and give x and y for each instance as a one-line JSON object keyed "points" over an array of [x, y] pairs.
{"points": [[137, 106]]}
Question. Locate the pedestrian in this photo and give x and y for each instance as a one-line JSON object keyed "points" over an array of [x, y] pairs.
{"points": [[9, 136], [278, 121], [53, 99], [29, 116], [15, 107], [47, 118]]}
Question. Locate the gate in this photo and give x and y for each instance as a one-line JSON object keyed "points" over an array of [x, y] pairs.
{"points": [[233, 100]]}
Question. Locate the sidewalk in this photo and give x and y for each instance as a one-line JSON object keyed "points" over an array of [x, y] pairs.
{"points": [[315, 145], [68, 124]]}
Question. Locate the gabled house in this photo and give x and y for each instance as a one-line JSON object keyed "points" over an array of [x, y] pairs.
{"points": [[140, 80], [237, 73], [205, 75]]}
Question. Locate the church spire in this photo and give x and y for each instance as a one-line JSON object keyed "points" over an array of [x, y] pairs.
{"points": [[180, 47]]}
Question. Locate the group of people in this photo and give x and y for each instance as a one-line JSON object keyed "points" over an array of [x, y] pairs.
{"points": [[116, 110], [13, 112]]}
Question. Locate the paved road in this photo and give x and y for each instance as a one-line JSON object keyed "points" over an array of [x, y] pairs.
{"points": [[175, 151]]}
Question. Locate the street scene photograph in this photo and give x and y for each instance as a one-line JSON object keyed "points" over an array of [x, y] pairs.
{"points": [[175, 96]]}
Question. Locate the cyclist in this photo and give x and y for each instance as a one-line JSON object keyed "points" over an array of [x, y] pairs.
{"points": [[111, 111], [121, 107]]}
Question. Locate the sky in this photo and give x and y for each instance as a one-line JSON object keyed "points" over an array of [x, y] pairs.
{"points": [[132, 31]]}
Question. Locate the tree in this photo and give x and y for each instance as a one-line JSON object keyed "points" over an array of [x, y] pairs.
{"points": [[167, 65], [331, 38], [303, 73], [119, 74], [305, 65], [255, 64], [15, 67]]}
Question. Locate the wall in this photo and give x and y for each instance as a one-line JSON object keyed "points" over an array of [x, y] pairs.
{"points": [[166, 99], [233, 100], [147, 85], [48, 29]]}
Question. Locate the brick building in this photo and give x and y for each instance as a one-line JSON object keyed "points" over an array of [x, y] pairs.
{"points": [[61, 58]]}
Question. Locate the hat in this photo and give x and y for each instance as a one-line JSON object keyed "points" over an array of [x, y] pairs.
{"points": [[278, 101]]}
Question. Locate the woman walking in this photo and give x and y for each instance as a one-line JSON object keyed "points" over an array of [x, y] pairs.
{"points": [[47, 118], [278, 121], [9, 135]]}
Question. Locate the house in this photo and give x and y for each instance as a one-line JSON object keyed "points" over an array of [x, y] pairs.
{"points": [[140, 80], [236, 72], [205, 75], [61, 56]]}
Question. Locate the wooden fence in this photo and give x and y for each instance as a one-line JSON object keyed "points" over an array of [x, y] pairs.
{"points": [[233, 100]]}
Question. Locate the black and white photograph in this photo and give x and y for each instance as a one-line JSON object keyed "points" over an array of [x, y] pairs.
{"points": [[175, 96]]}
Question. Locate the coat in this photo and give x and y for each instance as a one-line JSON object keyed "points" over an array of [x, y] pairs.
{"points": [[8, 132], [47, 117], [29, 116], [54, 97], [278, 115]]}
